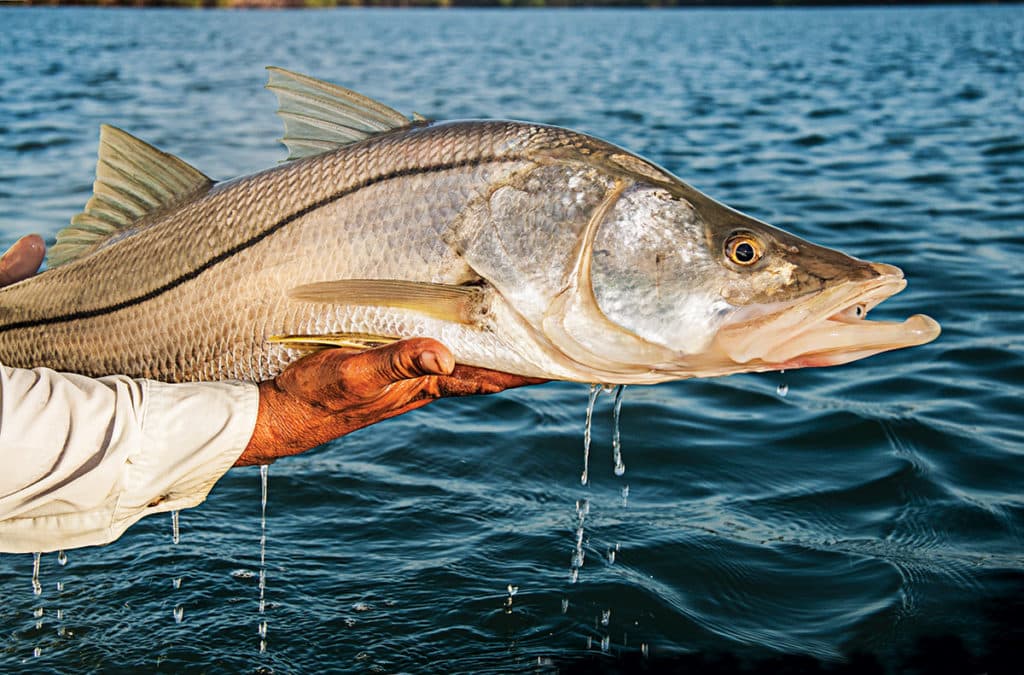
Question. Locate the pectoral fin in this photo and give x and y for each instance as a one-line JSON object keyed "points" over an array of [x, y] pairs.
{"points": [[347, 340], [456, 304]]}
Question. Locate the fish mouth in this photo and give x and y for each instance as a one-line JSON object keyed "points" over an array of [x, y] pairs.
{"points": [[825, 329]]}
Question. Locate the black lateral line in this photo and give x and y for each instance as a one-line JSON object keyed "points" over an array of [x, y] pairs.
{"points": [[252, 241]]}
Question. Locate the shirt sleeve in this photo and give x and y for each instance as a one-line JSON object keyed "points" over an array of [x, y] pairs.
{"points": [[82, 459]]}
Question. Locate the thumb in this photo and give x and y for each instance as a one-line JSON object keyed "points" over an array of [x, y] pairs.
{"points": [[405, 360], [22, 260]]}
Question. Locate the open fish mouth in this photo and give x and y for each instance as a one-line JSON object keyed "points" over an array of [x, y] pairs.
{"points": [[826, 329]]}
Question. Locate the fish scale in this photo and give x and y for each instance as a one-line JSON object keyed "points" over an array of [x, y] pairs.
{"points": [[478, 233]]}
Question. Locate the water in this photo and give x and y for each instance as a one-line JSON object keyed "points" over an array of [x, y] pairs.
{"points": [[595, 391], [264, 479], [874, 509]]}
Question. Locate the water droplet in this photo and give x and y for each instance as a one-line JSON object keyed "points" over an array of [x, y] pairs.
{"points": [[60, 614], [595, 391], [263, 629], [179, 614], [263, 646], [175, 530], [606, 643], [782, 390], [62, 558], [176, 582], [590, 642], [611, 557], [37, 612], [60, 585], [512, 590], [565, 605], [606, 616], [644, 649], [38, 651], [620, 468], [625, 496]]}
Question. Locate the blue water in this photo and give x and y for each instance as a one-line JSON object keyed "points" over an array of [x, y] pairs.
{"points": [[873, 512]]}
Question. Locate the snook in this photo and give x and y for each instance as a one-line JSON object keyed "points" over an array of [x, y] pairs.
{"points": [[525, 248]]}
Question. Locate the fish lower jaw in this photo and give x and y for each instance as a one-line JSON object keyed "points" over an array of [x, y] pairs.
{"points": [[841, 340]]}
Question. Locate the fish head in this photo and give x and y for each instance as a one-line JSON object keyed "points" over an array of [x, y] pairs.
{"points": [[720, 292]]}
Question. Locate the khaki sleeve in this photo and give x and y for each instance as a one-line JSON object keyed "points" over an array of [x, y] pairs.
{"points": [[82, 459]]}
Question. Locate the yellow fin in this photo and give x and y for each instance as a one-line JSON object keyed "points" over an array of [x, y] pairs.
{"points": [[348, 340], [133, 179], [319, 116], [456, 304]]}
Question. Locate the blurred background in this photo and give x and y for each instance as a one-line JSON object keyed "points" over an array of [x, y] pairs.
{"points": [[866, 517]]}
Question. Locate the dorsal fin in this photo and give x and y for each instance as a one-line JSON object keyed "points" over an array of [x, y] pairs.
{"points": [[133, 179], [319, 116]]}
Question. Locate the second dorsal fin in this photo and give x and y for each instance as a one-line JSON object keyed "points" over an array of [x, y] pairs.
{"points": [[319, 116], [133, 179]]}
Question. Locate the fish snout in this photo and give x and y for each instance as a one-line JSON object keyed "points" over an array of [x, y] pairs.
{"points": [[884, 270]]}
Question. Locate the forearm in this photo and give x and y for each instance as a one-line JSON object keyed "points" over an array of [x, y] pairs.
{"points": [[83, 459]]}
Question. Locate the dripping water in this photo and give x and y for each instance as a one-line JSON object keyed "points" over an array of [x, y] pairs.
{"points": [[783, 389], [37, 590], [179, 610], [262, 630], [62, 560], [582, 509], [595, 391], [620, 468]]}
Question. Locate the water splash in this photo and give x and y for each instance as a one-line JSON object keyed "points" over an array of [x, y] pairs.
{"points": [[620, 468], [512, 590], [264, 480], [595, 391]]}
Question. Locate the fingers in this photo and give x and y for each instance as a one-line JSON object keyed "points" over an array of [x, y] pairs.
{"points": [[371, 371], [470, 381], [22, 260]]}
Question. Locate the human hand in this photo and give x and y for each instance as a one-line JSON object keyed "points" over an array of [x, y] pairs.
{"points": [[334, 392], [22, 260]]}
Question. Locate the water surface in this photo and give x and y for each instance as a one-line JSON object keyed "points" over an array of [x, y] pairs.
{"points": [[874, 509]]}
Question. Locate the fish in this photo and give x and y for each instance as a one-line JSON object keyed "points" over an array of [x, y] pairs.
{"points": [[526, 248]]}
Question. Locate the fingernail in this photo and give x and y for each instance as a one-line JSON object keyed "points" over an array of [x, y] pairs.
{"points": [[434, 362]]}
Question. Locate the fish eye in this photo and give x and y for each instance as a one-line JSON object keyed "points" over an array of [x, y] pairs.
{"points": [[743, 249]]}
